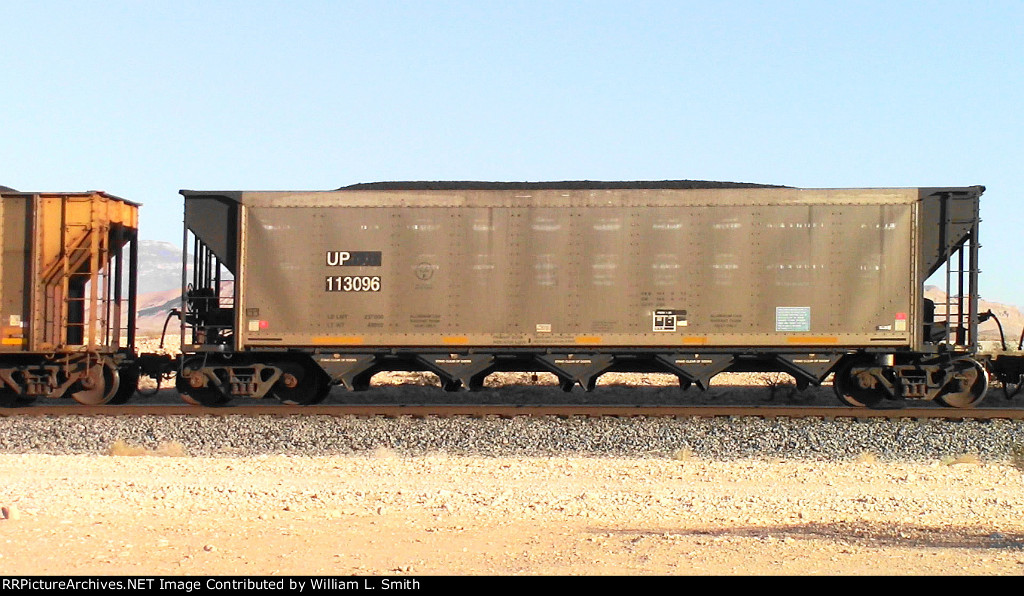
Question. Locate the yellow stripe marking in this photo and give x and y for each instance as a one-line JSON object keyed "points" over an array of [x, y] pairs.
{"points": [[455, 339], [340, 340], [693, 339], [823, 339], [588, 339], [13, 341]]}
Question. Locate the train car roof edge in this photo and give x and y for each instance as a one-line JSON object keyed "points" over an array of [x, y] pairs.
{"points": [[84, 193]]}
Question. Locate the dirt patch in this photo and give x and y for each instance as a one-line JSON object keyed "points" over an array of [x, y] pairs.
{"points": [[386, 514]]}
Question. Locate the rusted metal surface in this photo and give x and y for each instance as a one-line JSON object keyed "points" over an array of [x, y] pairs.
{"points": [[61, 271], [67, 321]]}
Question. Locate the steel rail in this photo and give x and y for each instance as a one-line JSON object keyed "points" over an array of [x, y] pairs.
{"points": [[511, 411]]}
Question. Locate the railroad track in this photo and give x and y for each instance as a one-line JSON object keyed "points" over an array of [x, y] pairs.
{"points": [[509, 411]]}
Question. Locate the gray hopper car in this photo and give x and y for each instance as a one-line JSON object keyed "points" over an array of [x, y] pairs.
{"points": [[290, 292]]}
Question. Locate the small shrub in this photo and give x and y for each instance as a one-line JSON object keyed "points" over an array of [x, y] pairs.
{"points": [[966, 458], [784, 386], [1017, 457], [382, 452], [684, 454], [867, 457], [164, 449]]}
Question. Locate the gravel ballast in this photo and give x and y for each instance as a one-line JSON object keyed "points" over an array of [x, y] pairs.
{"points": [[709, 438]]}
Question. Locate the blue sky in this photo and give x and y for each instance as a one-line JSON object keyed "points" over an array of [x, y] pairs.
{"points": [[143, 98]]}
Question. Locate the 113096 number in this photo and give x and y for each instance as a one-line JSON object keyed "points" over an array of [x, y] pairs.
{"points": [[353, 283]]}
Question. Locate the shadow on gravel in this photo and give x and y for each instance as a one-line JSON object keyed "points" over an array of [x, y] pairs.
{"points": [[873, 535], [613, 389], [542, 394]]}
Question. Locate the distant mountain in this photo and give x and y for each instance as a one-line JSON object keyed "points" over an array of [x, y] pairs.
{"points": [[159, 285], [154, 308], [1010, 317], [159, 266]]}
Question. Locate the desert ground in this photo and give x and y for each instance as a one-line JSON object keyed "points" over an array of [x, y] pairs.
{"points": [[161, 512]]}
